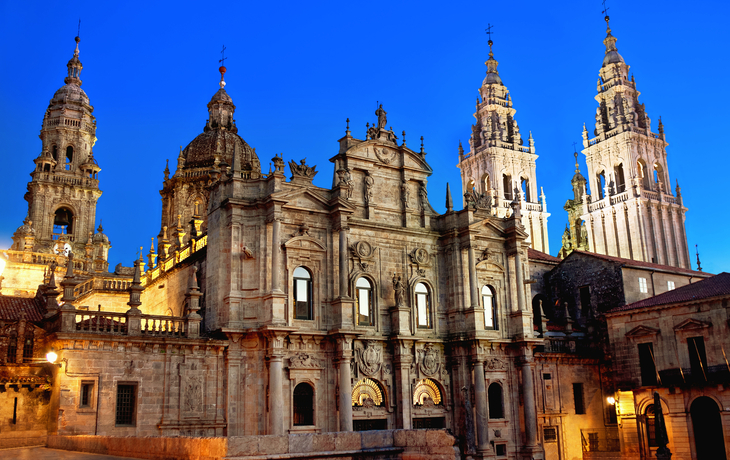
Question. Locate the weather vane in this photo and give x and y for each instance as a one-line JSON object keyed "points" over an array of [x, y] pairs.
{"points": [[605, 8], [222, 60], [78, 33], [574, 144], [489, 31]]}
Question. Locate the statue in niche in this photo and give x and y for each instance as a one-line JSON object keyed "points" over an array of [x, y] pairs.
{"points": [[382, 119], [405, 194], [400, 290], [423, 197], [369, 183]]}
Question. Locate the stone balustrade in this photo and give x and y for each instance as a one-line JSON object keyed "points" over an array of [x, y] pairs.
{"points": [[129, 324]]}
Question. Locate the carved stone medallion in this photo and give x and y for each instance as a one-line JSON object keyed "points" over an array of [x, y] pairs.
{"points": [[384, 155], [370, 358], [429, 364]]}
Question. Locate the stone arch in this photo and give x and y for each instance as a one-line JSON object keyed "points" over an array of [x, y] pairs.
{"points": [[428, 389], [303, 404], [485, 183], [495, 400], [708, 437]]}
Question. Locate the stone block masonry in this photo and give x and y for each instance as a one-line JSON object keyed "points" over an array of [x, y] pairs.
{"points": [[381, 444]]}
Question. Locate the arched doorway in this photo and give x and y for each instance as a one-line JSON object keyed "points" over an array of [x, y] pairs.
{"points": [[707, 427]]}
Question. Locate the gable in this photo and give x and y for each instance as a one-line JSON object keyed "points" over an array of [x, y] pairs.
{"points": [[691, 324], [642, 331]]}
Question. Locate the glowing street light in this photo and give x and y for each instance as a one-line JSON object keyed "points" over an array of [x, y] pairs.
{"points": [[51, 357], [611, 400]]}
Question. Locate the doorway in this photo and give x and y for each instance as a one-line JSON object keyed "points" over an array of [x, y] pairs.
{"points": [[707, 427]]}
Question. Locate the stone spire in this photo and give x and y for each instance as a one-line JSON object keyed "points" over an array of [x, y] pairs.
{"points": [[221, 109], [612, 55]]}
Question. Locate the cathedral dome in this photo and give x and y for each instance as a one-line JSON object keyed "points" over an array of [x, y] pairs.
{"points": [[202, 151], [612, 57], [100, 237], [26, 228], [492, 79], [70, 93]]}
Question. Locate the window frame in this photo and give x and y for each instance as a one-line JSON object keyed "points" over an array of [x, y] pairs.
{"points": [[647, 381], [370, 289], [133, 415], [429, 305], [310, 295], [295, 414], [579, 402], [90, 385], [671, 285], [643, 287], [493, 295], [490, 402]]}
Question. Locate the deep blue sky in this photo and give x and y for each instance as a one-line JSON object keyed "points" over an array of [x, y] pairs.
{"points": [[297, 70]]}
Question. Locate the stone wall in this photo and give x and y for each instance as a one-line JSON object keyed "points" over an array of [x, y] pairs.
{"points": [[384, 444]]}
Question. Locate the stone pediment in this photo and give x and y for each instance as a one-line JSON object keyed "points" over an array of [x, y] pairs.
{"points": [[642, 331], [305, 243], [416, 161], [305, 199], [691, 324]]}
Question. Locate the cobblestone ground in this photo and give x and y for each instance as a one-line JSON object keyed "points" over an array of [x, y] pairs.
{"points": [[42, 453]]}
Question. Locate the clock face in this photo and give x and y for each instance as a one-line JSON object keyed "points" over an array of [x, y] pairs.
{"points": [[63, 250]]}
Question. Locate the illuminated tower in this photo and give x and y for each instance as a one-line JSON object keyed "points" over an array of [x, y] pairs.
{"points": [[631, 212], [498, 168], [64, 189]]}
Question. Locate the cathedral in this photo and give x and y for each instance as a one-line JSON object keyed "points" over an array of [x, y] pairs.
{"points": [[270, 306]]}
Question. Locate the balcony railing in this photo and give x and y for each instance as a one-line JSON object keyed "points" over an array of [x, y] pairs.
{"points": [[600, 439], [125, 324]]}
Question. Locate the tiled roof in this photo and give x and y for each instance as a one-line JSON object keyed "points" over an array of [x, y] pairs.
{"points": [[11, 307], [639, 264], [718, 285], [537, 255]]}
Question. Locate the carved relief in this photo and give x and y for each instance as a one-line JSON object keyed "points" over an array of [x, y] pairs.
{"points": [[370, 358], [302, 170], [405, 194], [430, 360], [368, 194], [193, 394], [304, 360], [496, 364], [364, 252], [384, 155]]}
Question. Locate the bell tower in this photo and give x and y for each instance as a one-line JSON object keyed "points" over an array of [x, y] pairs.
{"points": [[64, 188], [499, 168], [631, 211]]}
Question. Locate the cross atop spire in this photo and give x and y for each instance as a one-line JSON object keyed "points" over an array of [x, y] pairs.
{"points": [[222, 69], [489, 34], [605, 10]]}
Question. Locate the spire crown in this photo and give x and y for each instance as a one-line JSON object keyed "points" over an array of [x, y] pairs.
{"points": [[74, 67], [612, 56]]}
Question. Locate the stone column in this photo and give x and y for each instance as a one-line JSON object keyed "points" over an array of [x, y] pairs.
{"points": [[473, 288], [403, 360], [276, 255], [528, 392], [520, 280], [276, 402], [480, 395], [345, 394], [343, 262]]}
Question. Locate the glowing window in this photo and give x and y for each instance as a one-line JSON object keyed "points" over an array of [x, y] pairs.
{"points": [[423, 306], [426, 391], [642, 286], [364, 299], [367, 392], [302, 294], [490, 321], [670, 285]]}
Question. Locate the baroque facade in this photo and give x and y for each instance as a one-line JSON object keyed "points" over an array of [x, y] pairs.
{"points": [[272, 306]]}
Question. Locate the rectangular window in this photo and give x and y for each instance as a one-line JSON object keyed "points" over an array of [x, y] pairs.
{"points": [[363, 306], [487, 301], [578, 398], [422, 303], [87, 390], [550, 434], [670, 285], [647, 364], [500, 450], [301, 291], [642, 286], [697, 358], [126, 404]]}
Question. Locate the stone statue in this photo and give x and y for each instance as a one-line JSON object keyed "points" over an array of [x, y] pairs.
{"points": [[369, 183], [583, 236], [423, 197], [405, 194], [382, 119], [567, 244], [400, 290]]}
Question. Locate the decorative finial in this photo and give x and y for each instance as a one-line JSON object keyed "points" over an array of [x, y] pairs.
{"points": [[404, 138], [222, 68], [449, 200], [605, 12], [367, 131], [348, 127], [422, 152], [575, 154], [697, 251], [489, 34]]}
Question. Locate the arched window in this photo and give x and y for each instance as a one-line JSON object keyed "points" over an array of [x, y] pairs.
{"points": [[620, 179], [496, 401], [302, 294], [658, 176], [641, 169], [69, 156], [63, 222], [525, 185], [364, 297], [601, 184], [507, 186], [303, 405], [650, 422], [423, 306], [486, 184], [489, 305]]}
